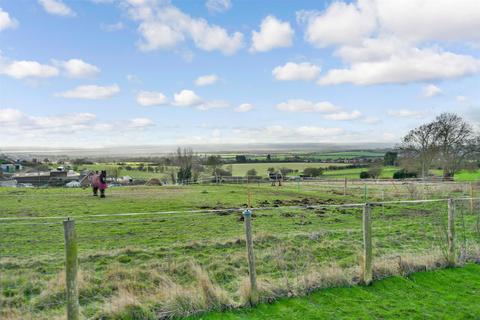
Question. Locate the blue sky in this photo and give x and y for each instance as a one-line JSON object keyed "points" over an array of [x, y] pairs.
{"points": [[99, 73]]}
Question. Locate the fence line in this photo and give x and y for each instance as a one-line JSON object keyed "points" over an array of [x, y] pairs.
{"points": [[365, 264], [241, 209]]}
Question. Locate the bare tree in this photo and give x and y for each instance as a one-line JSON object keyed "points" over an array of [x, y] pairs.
{"points": [[456, 140], [448, 140], [421, 144], [215, 163], [184, 159]]}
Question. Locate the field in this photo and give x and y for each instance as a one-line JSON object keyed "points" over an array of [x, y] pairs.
{"points": [[441, 294], [240, 169], [143, 256]]}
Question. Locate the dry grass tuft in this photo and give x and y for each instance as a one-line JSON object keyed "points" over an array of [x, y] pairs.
{"points": [[123, 299], [331, 276], [266, 290], [213, 296], [408, 263], [178, 301]]}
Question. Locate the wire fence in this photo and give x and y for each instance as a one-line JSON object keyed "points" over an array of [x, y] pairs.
{"points": [[176, 263], [68, 202]]}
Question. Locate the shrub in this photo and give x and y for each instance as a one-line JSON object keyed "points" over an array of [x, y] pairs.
{"points": [[312, 172], [364, 175], [251, 173], [404, 174], [285, 171], [223, 173]]}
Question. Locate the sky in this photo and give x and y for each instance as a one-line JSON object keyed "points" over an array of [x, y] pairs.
{"points": [[93, 73]]}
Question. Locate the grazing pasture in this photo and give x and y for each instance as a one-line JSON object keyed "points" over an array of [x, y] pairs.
{"points": [[150, 252]]}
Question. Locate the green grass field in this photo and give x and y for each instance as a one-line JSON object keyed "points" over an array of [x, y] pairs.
{"points": [[181, 263], [240, 169], [441, 294]]}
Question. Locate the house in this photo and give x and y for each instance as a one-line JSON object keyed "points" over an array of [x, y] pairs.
{"points": [[52, 178], [11, 166]]}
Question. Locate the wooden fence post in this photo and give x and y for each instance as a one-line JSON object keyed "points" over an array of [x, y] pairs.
{"points": [[345, 187], [247, 215], [367, 245], [471, 197], [365, 192], [451, 233], [71, 267]]}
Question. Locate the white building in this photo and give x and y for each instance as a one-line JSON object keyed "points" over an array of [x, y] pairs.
{"points": [[10, 167]]}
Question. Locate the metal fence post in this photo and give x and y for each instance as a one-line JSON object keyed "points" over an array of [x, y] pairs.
{"points": [[367, 245], [247, 214], [451, 233], [71, 267]]}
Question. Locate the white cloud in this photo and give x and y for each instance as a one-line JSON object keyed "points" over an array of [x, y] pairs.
{"points": [[14, 120], [405, 113], [431, 91], [340, 23], [77, 68], [385, 41], [27, 69], [406, 65], [186, 98], [313, 131], [461, 98], [216, 6], [19, 128], [151, 98], [10, 115], [56, 7], [348, 23], [6, 21], [213, 104], [91, 92], [138, 123], [112, 27], [206, 80], [344, 116], [165, 26], [300, 105], [442, 20], [244, 107], [273, 34], [296, 71]]}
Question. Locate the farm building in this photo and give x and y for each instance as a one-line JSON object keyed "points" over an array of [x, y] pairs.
{"points": [[11, 167], [52, 178]]}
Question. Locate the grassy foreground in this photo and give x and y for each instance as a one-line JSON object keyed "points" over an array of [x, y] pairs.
{"points": [[154, 265], [441, 294]]}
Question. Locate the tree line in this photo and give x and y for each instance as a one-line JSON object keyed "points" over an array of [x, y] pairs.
{"points": [[448, 143]]}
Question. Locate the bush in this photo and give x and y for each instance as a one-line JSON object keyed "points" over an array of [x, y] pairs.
{"points": [[251, 173], [404, 174], [223, 173], [364, 175], [286, 171], [312, 172]]}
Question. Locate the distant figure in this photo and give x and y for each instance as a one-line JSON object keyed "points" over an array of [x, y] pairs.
{"points": [[102, 183], [95, 182]]}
